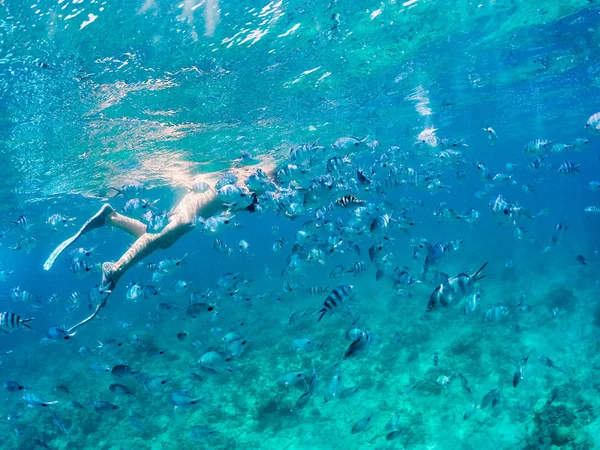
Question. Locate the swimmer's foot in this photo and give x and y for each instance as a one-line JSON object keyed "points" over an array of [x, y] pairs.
{"points": [[96, 221], [109, 280]]}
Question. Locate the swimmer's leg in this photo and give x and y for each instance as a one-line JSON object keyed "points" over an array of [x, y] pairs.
{"points": [[105, 216], [142, 247]]}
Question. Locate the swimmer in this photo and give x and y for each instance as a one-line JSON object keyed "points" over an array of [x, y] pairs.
{"points": [[181, 221]]}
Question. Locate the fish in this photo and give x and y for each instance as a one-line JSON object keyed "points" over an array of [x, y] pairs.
{"points": [[25, 244], [58, 333], [305, 345], [221, 247], [182, 336], [34, 401], [59, 423], [316, 290], [13, 386], [137, 203], [472, 409], [593, 124], [454, 288], [22, 222], [347, 201], [243, 246], [335, 386], [170, 265], [104, 407], [358, 268], [179, 287], [201, 309], [491, 398], [537, 147], [393, 435], [495, 313], [10, 322], [228, 178], [483, 171], [522, 305], [278, 245], [580, 259], [310, 388], [592, 209], [129, 190], [361, 424], [233, 195], [215, 360], [358, 344], [394, 422], [40, 443], [120, 389], [134, 291], [472, 302], [122, 370], [21, 295], [200, 187], [464, 383], [184, 401], [444, 380], [569, 168], [290, 378], [200, 432], [338, 295], [559, 231], [380, 224], [345, 143], [549, 363], [491, 133], [301, 316]]}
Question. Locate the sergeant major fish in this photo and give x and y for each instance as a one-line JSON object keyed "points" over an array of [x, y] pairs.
{"points": [[454, 289], [338, 295], [569, 168], [593, 124], [10, 321]]}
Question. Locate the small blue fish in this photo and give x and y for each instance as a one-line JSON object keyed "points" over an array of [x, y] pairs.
{"points": [[59, 333]]}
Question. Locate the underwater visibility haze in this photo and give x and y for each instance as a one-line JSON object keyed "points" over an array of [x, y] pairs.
{"points": [[299, 224]]}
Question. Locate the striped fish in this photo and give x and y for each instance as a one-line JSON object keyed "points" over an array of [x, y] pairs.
{"points": [[593, 124], [222, 247], [358, 268], [18, 294], [316, 290], [278, 245], [381, 223], [80, 268], [228, 178], [349, 200], [537, 148], [337, 164], [21, 222], [10, 322], [569, 168], [338, 295], [592, 209]]}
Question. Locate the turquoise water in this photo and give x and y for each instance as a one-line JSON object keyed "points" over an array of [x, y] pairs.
{"points": [[96, 96]]}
